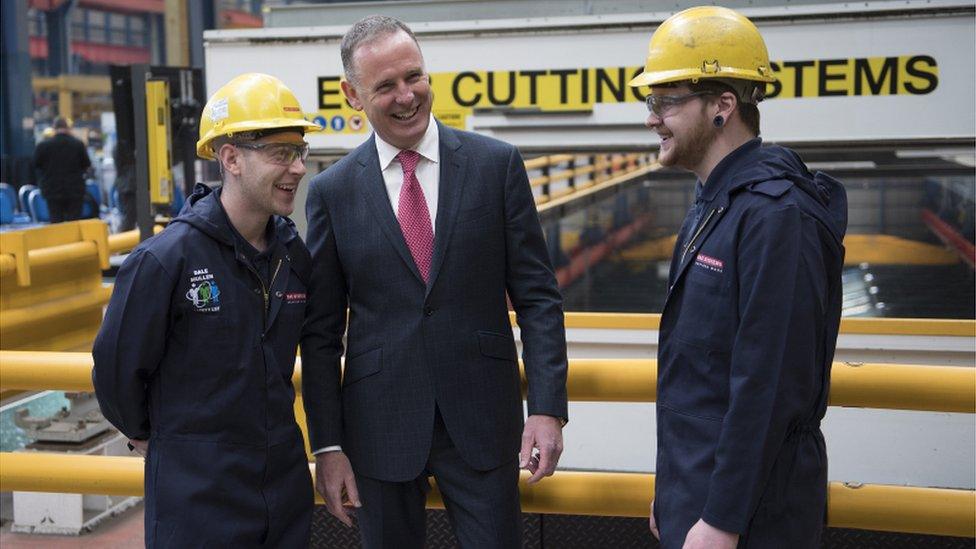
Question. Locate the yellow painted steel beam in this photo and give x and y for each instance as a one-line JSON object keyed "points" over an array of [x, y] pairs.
{"points": [[908, 326], [536, 163], [864, 326], [51, 311], [938, 511], [881, 249], [78, 83], [617, 179], [903, 387], [539, 181], [123, 242], [40, 246], [561, 175], [888, 386], [30, 370]]}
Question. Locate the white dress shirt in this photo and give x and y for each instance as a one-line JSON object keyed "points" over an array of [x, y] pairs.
{"points": [[428, 174], [428, 169]]}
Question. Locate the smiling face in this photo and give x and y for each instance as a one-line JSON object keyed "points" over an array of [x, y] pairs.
{"points": [[685, 129], [265, 186], [393, 88]]}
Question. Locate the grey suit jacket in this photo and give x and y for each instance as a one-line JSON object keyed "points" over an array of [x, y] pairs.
{"points": [[449, 342]]}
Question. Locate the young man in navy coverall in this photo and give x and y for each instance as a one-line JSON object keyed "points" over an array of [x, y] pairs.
{"points": [[750, 323], [195, 356]]}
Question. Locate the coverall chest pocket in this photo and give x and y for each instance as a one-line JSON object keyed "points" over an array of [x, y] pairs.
{"points": [[707, 314]]}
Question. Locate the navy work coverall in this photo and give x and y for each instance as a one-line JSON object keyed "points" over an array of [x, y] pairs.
{"points": [[747, 338], [196, 354]]}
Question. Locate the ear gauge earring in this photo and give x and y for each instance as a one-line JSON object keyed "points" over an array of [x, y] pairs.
{"points": [[719, 121]]}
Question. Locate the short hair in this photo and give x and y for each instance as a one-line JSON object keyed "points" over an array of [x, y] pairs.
{"points": [[366, 30], [60, 123], [748, 110]]}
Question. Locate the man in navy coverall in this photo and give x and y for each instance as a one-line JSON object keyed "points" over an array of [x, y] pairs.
{"points": [[195, 356], [750, 323]]}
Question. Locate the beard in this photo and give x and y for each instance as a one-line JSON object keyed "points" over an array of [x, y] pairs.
{"points": [[689, 150]]}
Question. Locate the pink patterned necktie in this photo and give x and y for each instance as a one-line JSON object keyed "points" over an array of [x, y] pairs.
{"points": [[413, 214]]}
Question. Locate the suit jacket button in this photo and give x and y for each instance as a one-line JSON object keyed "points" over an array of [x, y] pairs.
{"points": [[428, 311]]}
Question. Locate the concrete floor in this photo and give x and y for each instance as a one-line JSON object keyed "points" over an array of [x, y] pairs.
{"points": [[124, 531]]}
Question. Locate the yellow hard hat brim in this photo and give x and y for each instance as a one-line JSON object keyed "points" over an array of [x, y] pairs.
{"points": [[205, 151]]}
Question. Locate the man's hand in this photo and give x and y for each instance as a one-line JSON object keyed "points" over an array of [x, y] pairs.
{"points": [[653, 523], [544, 433], [334, 479], [704, 536], [140, 447]]}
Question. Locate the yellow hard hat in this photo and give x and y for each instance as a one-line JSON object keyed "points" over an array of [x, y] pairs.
{"points": [[704, 43], [250, 102]]}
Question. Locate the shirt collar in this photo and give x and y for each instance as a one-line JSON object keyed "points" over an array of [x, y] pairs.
{"points": [[428, 147]]}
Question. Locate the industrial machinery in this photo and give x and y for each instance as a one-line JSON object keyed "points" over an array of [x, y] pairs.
{"points": [[157, 112]]}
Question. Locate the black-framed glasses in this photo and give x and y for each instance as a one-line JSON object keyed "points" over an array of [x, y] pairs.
{"points": [[660, 104], [282, 154]]}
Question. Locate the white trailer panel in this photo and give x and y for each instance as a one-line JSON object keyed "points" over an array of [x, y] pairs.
{"points": [[562, 85]]}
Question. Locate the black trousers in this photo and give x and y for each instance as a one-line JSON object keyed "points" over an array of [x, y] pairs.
{"points": [[127, 203], [64, 209], [483, 506]]}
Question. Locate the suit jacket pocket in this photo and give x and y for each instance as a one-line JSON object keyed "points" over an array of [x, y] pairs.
{"points": [[362, 366], [476, 213], [497, 346]]}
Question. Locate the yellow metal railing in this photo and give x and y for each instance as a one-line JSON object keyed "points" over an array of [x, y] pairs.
{"points": [[889, 386], [874, 507], [863, 326], [946, 512], [594, 169]]}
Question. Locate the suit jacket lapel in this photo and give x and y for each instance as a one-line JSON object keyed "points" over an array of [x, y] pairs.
{"points": [[452, 178], [371, 181]]}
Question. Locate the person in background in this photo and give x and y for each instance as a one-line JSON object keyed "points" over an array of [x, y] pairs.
{"points": [[750, 322], [62, 162], [126, 185], [194, 360]]}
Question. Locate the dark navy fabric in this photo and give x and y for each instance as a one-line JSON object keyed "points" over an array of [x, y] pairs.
{"points": [[448, 342], [189, 358], [747, 338]]}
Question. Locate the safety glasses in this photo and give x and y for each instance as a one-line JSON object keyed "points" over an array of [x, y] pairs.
{"points": [[661, 104], [282, 154]]}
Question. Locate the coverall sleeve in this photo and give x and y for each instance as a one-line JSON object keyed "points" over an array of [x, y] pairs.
{"points": [[324, 327], [535, 296], [755, 425], [131, 342]]}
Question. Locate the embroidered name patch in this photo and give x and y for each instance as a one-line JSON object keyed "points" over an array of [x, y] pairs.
{"points": [[203, 293], [292, 298], [710, 263]]}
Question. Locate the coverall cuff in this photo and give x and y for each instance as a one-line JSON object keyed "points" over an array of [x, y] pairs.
{"points": [[722, 521]]}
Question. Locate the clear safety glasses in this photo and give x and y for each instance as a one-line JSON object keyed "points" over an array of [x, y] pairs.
{"points": [[282, 154], [661, 104]]}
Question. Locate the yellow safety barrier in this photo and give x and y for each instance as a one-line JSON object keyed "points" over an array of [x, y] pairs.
{"points": [[51, 293], [848, 326], [946, 512], [123, 242], [888, 386], [597, 168]]}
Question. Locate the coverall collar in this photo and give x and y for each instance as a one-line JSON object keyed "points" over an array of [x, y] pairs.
{"points": [[720, 178]]}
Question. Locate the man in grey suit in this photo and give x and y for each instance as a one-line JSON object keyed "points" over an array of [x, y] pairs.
{"points": [[421, 232]]}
